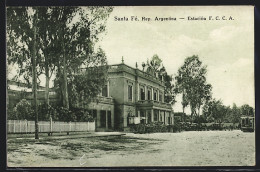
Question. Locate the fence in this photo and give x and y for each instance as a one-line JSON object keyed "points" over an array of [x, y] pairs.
{"points": [[24, 126]]}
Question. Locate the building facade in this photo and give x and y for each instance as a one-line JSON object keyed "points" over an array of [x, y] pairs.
{"points": [[129, 94], [137, 94]]}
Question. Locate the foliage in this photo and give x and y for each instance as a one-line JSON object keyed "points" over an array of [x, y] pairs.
{"points": [[156, 68], [191, 83], [78, 30], [20, 40], [82, 115], [66, 38], [11, 115], [246, 110], [154, 127], [45, 112], [87, 84], [215, 111], [23, 110], [200, 119]]}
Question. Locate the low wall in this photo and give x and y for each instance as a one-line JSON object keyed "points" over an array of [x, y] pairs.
{"points": [[24, 126]]}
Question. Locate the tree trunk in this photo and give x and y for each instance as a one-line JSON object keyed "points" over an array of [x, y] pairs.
{"points": [[199, 111], [47, 101], [191, 115], [183, 108], [34, 82], [65, 82]]}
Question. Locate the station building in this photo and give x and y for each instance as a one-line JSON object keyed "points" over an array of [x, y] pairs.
{"points": [[130, 96]]}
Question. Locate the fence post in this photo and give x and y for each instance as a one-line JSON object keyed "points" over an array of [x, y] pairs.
{"points": [[20, 126], [50, 124], [26, 126], [70, 125], [14, 126], [88, 125]]}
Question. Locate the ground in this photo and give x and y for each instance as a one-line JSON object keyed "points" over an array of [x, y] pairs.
{"points": [[193, 148]]}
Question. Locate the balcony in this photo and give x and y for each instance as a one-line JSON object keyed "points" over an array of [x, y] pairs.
{"points": [[153, 103], [102, 99]]}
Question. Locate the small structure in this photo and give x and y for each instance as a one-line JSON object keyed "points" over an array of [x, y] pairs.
{"points": [[247, 123]]}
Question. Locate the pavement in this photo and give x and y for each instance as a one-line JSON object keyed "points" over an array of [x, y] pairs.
{"points": [[44, 136]]}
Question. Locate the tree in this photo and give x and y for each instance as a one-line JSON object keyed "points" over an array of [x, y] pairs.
{"points": [[49, 48], [22, 46], [235, 114], [191, 83], [78, 30], [214, 109], [87, 84], [156, 68], [23, 110], [247, 110], [42, 39], [154, 65]]}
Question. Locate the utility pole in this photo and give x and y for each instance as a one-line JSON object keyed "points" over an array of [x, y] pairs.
{"points": [[34, 78]]}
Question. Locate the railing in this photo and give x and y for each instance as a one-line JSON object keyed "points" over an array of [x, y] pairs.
{"points": [[102, 99], [154, 103], [124, 67], [24, 126]]}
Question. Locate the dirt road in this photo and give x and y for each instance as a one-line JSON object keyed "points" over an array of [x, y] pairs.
{"points": [[204, 148]]}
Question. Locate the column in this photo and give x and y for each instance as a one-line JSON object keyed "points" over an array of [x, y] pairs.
{"points": [[112, 118], [108, 89], [98, 118], [146, 117], [165, 121], [106, 120], [159, 115], [152, 115], [138, 92], [163, 96], [145, 93], [172, 116], [152, 94]]}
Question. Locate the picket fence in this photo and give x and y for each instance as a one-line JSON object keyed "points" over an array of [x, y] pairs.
{"points": [[24, 126]]}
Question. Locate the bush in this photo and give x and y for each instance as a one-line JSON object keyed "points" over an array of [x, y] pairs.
{"points": [[11, 115], [64, 114], [82, 115], [176, 127], [154, 127], [45, 112], [23, 110]]}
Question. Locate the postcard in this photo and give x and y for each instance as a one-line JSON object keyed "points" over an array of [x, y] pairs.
{"points": [[130, 86]]}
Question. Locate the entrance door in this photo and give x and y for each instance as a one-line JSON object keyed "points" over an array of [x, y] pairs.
{"points": [[94, 113], [103, 119], [109, 121]]}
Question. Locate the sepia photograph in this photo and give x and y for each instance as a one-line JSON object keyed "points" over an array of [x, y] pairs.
{"points": [[130, 86]]}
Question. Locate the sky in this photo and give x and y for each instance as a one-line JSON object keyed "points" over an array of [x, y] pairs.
{"points": [[226, 47]]}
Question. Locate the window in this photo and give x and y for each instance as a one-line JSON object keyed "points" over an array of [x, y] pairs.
{"points": [[149, 117], [155, 95], [155, 118], [130, 92], [149, 95], [104, 91], [160, 97], [142, 94]]}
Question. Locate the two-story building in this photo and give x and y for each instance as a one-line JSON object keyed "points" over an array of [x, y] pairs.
{"points": [[129, 93], [137, 94]]}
